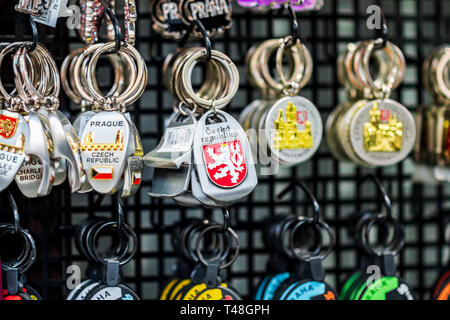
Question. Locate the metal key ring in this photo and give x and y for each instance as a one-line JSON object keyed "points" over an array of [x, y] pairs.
{"points": [[298, 79], [397, 67], [5, 50], [397, 242], [216, 71], [223, 248], [134, 89], [77, 77], [47, 99], [322, 256], [67, 67], [186, 84], [254, 64], [297, 70], [127, 231], [35, 65], [20, 67], [284, 227], [87, 243], [170, 69], [216, 83], [440, 74], [219, 228], [28, 255], [7, 228]]}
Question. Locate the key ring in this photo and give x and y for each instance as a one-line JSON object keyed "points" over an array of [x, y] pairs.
{"points": [[299, 77], [186, 74], [134, 89], [211, 228], [302, 221]]}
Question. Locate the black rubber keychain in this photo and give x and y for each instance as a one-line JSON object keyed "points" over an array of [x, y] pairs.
{"points": [[377, 279], [15, 264]]}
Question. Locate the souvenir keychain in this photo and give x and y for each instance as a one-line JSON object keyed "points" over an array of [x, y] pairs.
{"points": [[371, 130], [297, 5], [111, 149], [297, 251], [388, 286], [205, 252], [14, 267], [204, 157], [284, 126], [175, 19], [51, 146], [431, 152], [104, 275]]}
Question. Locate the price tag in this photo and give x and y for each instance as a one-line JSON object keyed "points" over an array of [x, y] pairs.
{"points": [[50, 16]]}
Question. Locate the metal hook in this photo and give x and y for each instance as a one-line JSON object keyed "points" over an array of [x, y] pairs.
{"points": [[294, 22], [120, 214], [34, 32], [383, 31], [15, 210], [226, 220], [386, 200], [117, 31], [205, 38], [304, 187]]}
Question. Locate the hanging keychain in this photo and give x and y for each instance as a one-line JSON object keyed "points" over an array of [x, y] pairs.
{"points": [[286, 128], [205, 249], [380, 256], [297, 247], [204, 157], [371, 130], [441, 289], [110, 146], [104, 275], [14, 267]]}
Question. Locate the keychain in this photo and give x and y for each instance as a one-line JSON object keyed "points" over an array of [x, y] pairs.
{"points": [[204, 158], [431, 152], [104, 273], [14, 267], [200, 271], [111, 148], [297, 251], [381, 255]]}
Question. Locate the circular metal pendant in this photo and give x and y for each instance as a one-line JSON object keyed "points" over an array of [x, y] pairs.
{"points": [[293, 129], [382, 132], [333, 142]]}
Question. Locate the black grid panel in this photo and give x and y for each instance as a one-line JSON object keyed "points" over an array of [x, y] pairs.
{"points": [[416, 26]]}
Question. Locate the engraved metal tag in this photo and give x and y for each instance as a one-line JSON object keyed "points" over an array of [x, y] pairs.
{"points": [[104, 146], [78, 125], [172, 18], [169, 183], [132, 174], [382, 132], [198, 194], [222, 158], [14, 136], [65, 145], [40, 146], [175, 147], [80, 121], [187, 200], [29, 177], [167, 20], [293, 130]]}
